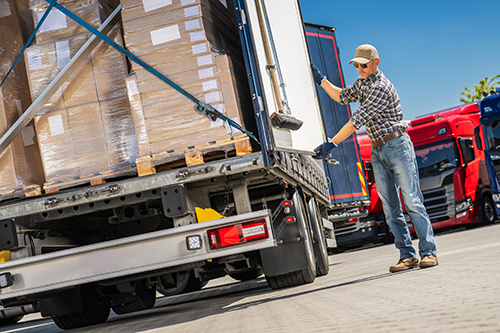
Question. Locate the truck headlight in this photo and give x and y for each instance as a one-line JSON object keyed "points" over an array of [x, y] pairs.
{"points": [[6, 280], [462, 205], [496, 197]]}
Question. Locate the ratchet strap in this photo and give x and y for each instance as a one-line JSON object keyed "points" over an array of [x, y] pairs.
{"points": [[203, 107]]}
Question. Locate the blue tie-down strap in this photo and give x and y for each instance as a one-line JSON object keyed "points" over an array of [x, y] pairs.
{"points": [[52, 3], [204, 108]]}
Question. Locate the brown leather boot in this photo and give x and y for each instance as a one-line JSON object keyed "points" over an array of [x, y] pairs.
{"points": [[428, 261], [404, 264]]}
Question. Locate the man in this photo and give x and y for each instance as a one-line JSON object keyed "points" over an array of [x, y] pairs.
{"points": [[393, 157]]}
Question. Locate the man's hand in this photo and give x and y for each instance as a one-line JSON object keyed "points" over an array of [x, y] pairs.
{"points": [[323, 150], [317, 74]]}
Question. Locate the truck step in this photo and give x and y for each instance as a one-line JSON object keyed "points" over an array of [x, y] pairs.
{"points": [[194, 155]]}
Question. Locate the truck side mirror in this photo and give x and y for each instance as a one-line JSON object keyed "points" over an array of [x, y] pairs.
{"points": [[477, 139], [467, 150]]}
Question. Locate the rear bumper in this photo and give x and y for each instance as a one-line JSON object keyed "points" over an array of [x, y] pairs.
{"points": [[124, 257]]}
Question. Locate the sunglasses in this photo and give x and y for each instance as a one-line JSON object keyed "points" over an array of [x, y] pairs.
{"points": [[356, 64]]}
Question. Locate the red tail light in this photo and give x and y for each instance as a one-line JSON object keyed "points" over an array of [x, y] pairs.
{"points": [[237, 234]]}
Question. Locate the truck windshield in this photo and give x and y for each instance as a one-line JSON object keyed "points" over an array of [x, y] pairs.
{"points": [[492, 132], [436, 158]]}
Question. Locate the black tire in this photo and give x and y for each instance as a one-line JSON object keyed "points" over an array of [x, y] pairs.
{"points": [[95, 310], [248, 275], [10, 320], [488, 215], [389, 236], [308, 274], [319, 245], [188, 284], [338, 249], [146, 300]]}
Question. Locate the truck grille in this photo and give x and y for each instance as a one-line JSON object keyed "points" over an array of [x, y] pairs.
{"points": [[440, 203]]}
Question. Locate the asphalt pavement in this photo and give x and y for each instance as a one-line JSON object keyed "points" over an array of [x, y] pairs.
{"points": [[461, 294]]}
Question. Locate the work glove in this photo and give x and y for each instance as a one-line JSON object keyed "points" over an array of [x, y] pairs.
{"points": [[323, 150], [317, 74]]}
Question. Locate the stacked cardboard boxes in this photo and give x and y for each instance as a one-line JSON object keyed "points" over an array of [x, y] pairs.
{"points": [[85, 130], [20, 163], [194, 43]]}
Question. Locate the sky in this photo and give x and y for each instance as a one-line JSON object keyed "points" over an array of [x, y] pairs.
{"points": [[429, 50]]}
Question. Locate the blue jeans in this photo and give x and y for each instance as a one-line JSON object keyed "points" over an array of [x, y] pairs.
{"points": [[395, 167]]}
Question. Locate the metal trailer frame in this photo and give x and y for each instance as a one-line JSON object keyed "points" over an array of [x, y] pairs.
{"points": [[141, 253]]}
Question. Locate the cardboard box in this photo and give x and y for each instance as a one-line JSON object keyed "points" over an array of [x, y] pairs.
{"points": [[87, 140], [195, 44], [110, 68], [136, 9], [171, 120], [89, 143], [56, 146], [135, 102], [20, 163], [99, 77], [57, 25], [119, 132], [45, 61]]}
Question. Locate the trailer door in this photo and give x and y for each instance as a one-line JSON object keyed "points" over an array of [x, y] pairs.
{"points": [[273, 39], [347, 180]]}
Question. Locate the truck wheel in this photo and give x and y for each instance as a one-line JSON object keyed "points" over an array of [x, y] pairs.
{"points": [[146, 299], [188, 284], [247, 275], [389, 236], [488, 215], [95, 310], [306, 275], [320, 249], [10, 320]]}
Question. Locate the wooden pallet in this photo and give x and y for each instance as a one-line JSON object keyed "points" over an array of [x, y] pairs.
{"points": [[94, 179], [27, 191], [194, 155]]}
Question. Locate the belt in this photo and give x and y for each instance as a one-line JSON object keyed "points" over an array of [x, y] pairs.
{"points": [[388, 138]]}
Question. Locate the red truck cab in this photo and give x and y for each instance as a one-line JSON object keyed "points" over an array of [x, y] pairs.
{"points": [[453, 175], [452, 170]]}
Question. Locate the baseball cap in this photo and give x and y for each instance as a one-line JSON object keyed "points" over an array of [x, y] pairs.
{"points": [[364, 54]]}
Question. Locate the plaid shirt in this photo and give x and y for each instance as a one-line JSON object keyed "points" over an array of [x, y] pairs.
{"points": [[380, 109]]}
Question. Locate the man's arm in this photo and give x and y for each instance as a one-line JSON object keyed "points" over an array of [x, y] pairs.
{"points": [[344, 132], [332, 90]]}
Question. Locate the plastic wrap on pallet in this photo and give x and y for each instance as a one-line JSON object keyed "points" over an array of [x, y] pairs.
{"points": [[87, 142], [46, 60], [139, 120], [20, 164], [110, 68], [119, 132], [194, 43], [97, 78], [57, 25], [85, 131], [174, 34], [172, 122]]}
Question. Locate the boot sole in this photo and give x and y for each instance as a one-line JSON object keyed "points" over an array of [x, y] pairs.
{"points": [[403, 269], [429, 265]]}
